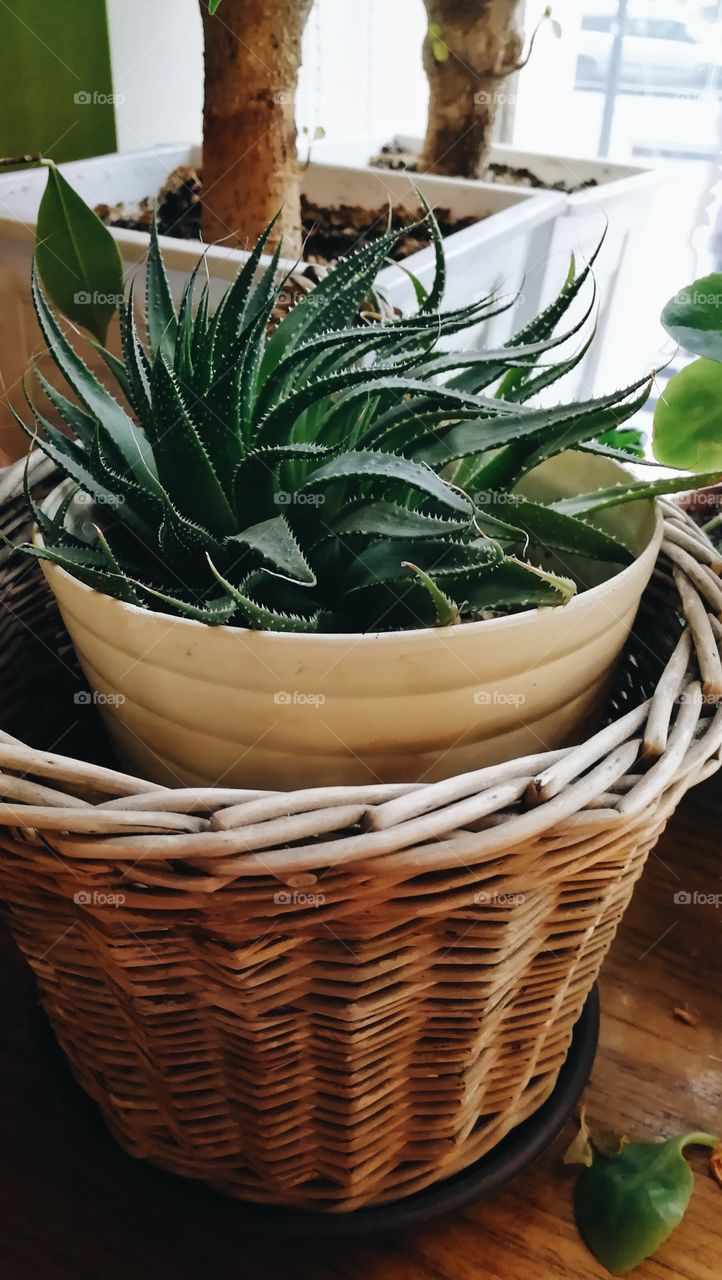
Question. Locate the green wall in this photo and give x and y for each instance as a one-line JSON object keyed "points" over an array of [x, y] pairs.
{"points": [[56, 94]]}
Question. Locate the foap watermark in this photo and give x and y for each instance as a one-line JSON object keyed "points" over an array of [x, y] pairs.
{"points": [[298, 698], [496, 98], [84, 499], [706, 699], [94, 898], [84, 298], [298, 898], [285, 499], [498, 698], [498, 498], [94, 98], [698, 298], [492, 899], [87, 699], [707, 498], [297, 97], [693, 898]]}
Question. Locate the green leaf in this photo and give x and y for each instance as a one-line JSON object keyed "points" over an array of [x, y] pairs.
{"points": [[576, 429], [516, 585], [93, 395], [124, 587], [533, 386], [389, 520], [693, 317], [160, 312], [181, 537], [433, 301], [52, 530], [137, 365], [446, 560], [183, 355], [555, 529], [628, 1206], [87, 566], [543, 325], [107, 466], [688, 418], [446, 611], [259, 617], [624, 440], [81, 423], [73, 461], [421, 293], [332, 304], [544, 431], [277, 425], [214, 5], [275, 543], [359, 465], [635, 491], [232, 316], [77, 257], [183, 464], [214, 613]]}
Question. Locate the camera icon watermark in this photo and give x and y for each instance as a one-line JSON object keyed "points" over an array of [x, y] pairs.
{"points": [[285, 499], [498, 698], [491, 495], [85, 299], [298, 698], [296, 898], [497, 98], [86, 698], [685, 898], [698, 298], [493, 899], [96, 898], [94, 98], [84, 499]]}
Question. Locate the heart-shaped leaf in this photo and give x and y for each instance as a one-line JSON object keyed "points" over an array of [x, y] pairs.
{"points": [[627, 1207], [693, 317], [688, 418]]}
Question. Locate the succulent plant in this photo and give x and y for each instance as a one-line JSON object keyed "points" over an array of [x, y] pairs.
{"points": [[326, 474]]}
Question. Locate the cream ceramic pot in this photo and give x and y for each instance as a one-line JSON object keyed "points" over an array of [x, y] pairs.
{"points": [[186, 703]]}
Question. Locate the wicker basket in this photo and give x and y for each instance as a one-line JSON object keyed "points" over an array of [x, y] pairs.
{"points": [[333, 998]]}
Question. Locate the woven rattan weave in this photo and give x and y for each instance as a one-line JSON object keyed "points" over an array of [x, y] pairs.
{"points": [[333, 998]]}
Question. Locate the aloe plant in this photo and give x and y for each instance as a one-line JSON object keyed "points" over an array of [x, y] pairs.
{"points": [[324, 475]]}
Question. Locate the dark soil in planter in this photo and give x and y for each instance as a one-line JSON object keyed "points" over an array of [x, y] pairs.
{"points": [[394, 156], [329, 232]]}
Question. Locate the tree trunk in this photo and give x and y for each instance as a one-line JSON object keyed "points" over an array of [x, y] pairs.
{"points": [[470, 46], [250, 164]]}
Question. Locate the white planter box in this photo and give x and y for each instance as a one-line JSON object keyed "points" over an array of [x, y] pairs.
{"points": [[491, 253], [625, 201]]}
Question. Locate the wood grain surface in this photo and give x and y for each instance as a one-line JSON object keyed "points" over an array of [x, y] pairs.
{"points": [[74, 1207]]}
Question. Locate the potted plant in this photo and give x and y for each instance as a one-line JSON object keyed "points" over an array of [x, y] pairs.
{"points": [[257, 500], [328, 548]]}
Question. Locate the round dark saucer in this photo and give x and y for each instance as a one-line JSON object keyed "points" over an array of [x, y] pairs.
{"points": [[514, 1153]]}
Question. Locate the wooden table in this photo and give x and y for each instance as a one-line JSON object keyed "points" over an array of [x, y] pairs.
{"points": [[73, 1207]]}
